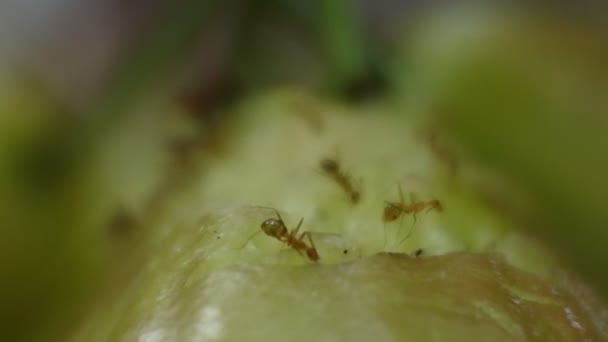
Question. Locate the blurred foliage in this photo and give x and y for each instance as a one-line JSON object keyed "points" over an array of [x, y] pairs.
{"points": [[527, 96], [156, 54], [47, 257]]}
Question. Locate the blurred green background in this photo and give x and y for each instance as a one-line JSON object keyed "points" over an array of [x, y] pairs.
{"points": [[520, 90]]}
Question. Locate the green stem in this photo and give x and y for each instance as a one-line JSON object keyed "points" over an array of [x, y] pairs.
{"points": [[159, 50], [342, 40]]}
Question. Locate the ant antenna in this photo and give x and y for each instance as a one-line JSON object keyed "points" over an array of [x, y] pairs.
{"points": [[258, 230], [248, 239], [279, 216], [270, 208], [400, 193], [263, 207]]}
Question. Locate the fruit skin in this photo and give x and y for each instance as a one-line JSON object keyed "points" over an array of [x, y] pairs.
{"points": [[208, 275]]}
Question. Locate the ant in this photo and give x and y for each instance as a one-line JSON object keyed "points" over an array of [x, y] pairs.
{"points": [[308, 111], [276, 228], [393, 210], [332, 169], [444, 154], [122, 223]]}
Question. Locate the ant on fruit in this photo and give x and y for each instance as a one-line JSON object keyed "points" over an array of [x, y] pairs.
{"points": [[276, 228], [332, 169], [308, 111], [393, 210], [431, 138]]}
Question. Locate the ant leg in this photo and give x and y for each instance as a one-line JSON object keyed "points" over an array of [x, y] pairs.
{"points": [[413, 198], [307, 234], [430, 206], [312, 247], [434, 205], [295, 232], [291, 250], [300, 253], [406, 235], [384, 226], [391, 204], [413, 224], [410, 232], [384, 231]]}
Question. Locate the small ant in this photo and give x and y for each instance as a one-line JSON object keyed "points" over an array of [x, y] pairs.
{"points": [[444, 154], [309, 112], [276, 228], [122, 223], [332, 169], [393, 210]]}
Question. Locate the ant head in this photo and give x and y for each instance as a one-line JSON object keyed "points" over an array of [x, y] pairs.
{"points": [[329, 165], [274, 227], [391, 212], [437, 205]]}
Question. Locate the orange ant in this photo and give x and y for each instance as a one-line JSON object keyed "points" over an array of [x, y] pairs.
{"points": [[332, 169], [276, 228], [393, 210]]}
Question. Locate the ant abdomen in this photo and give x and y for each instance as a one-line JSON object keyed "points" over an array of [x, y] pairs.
{"points": [[332, 169]]}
